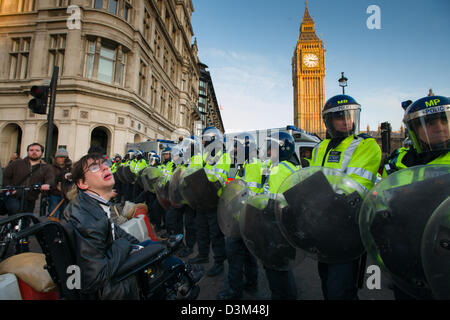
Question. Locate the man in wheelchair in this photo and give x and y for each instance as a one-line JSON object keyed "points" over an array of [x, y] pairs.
{"points": [[102, 249]]}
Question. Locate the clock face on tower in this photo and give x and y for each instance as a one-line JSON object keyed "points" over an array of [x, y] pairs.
{"points": [[310, 60]]}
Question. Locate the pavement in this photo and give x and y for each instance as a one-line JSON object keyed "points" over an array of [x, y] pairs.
{"points": [[305, 273], [306, 278]]}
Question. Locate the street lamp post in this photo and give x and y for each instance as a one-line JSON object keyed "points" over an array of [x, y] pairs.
{"points": [[343, 82]]}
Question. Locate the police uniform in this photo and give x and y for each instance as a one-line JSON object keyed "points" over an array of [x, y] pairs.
{"points": [[282, 283], [241, 263], [420, 113], [208, 233], [358, 156]]}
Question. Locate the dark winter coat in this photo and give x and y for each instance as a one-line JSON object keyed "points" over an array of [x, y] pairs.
{"points": [[59, 173], [17, 170], [97, 255]]}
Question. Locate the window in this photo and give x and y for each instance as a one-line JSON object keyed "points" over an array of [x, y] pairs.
{"points": [[127, 12], [56, 53], [146, 25], [165, 60], [122, 64], [112, 7], [202, 88], [183, 81], [98, 4], [163, 101], [16, 6], [90, 58], [170, 109], [156, 44], [181, 116], [106, 65], [154, 90], [19, 55], [172, 69], [202, 100], [142, 79], [105, 61]]}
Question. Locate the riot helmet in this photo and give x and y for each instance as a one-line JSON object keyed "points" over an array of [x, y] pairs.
{"points": [[139, 154], [117, 158], [341, 116], [210, 135], [167, 154], [130, 154], [284, 145], [427, 124]]}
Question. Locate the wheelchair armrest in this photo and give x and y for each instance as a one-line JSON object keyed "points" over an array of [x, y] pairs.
{"points": [[139, 260], [19, 216], [34, 229]]}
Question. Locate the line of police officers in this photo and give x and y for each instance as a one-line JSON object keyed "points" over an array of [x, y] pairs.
{"points": [[345, 149]]}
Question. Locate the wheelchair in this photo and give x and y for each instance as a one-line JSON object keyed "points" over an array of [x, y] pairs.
{"points": [[10, 226], [56, 240]]}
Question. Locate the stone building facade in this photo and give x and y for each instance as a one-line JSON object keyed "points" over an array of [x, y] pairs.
{"points": [[128, 72]]}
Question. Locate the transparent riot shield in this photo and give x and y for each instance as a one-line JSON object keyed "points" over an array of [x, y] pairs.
{"points": [[198, 191], [393, 218], [262, 236], [162, 191], [231, 204], [175, 197], [149, 177], [318, 212], [436, 251]]}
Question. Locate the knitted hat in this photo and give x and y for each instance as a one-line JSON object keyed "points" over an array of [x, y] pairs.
{"points": [[61, 152]]}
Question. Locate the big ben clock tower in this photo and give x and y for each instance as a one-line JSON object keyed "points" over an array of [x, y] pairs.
{"points": [[308, 77]]}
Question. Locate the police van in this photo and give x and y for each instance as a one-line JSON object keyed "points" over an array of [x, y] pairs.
{"points": [[157, 145], [304, 141]]}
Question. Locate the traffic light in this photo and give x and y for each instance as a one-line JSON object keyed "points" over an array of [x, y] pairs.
{"points": [[39, 103]]}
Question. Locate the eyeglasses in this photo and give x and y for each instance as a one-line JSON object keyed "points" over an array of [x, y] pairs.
{"points": [[96, 166]]}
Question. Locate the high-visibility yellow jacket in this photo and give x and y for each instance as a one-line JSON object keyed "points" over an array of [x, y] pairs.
{"points": [[357, 156]]}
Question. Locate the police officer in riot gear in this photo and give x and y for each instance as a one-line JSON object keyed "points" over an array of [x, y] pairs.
{"points": [[241, 263], [357, 155], [217, 165], [192, 155], [428, 129], [427, 123], [283, 162]]}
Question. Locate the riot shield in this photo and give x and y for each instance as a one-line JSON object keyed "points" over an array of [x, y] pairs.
{"points": [[393, 218], [139, 181], [318, 212], [128, 175], [119, 174], [231, 203], [436, 251], [262, 236], [149, 177], [175, 197], [198, 191], [162, 191]]}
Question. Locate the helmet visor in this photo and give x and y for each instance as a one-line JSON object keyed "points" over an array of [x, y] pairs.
{"points": [[342, 123], [430, 132]]}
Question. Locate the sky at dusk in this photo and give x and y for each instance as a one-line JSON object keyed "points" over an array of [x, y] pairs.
{"points": [[248, 46]]}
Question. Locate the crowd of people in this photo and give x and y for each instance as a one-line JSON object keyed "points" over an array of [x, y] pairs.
{"points": [[98, 184]]}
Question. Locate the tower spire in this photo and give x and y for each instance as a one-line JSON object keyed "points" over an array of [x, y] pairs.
{"points": [[307, 30]]}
